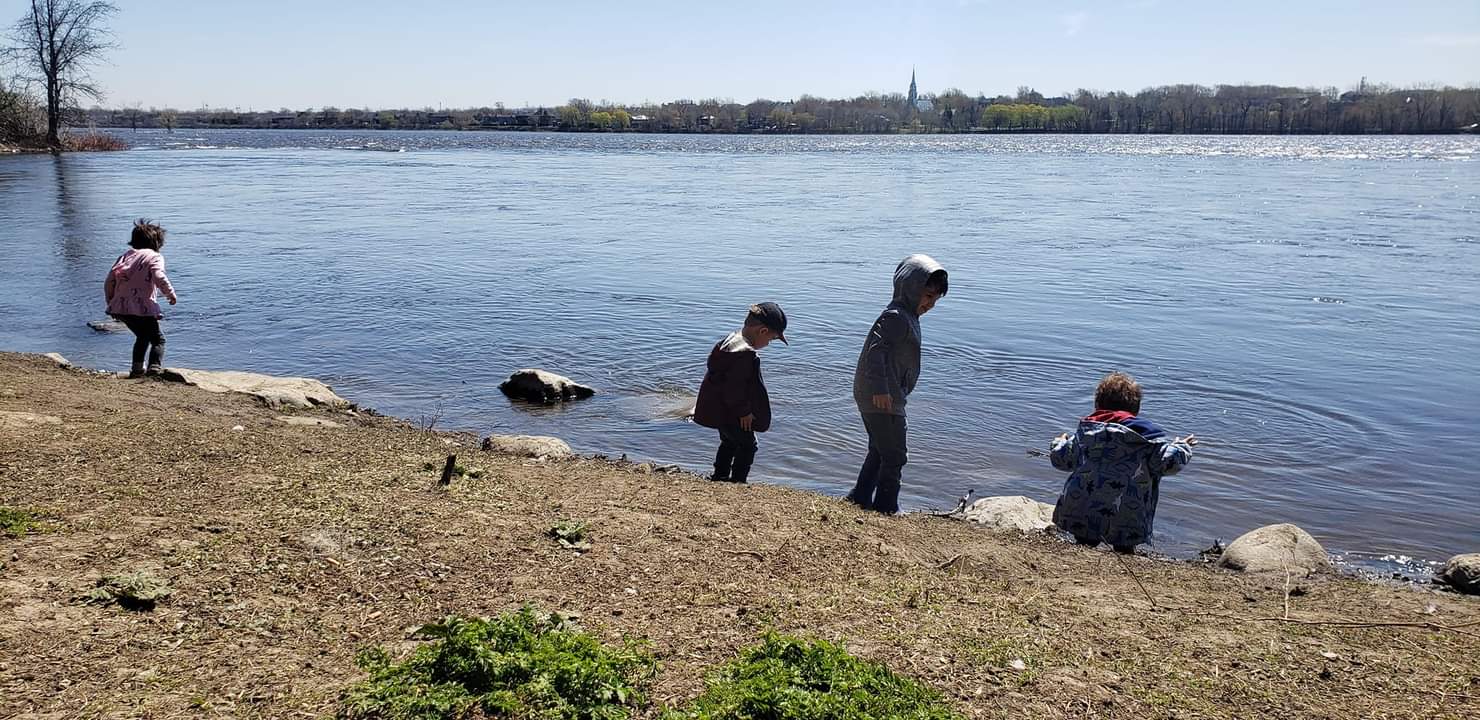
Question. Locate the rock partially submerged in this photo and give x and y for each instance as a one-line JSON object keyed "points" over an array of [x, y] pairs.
{"points": [[1462, 573], [529, 446], [107, 326], [276, 392], [1275, 548], [1010, 512], [539, 386]]}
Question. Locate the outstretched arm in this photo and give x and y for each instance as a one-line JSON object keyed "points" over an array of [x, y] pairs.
{"points": [[1175, 454], [1061, 451]]}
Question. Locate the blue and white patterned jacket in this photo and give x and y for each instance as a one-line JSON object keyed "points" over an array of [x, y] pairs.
{"points": [[1115, 473]]}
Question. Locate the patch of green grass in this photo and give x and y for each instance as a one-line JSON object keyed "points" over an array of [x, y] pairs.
{"points": [[131, 591], [791, 678], [571, 534], [520, 665], [15, 522]]}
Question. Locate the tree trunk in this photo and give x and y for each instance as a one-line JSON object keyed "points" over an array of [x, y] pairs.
{"points": [[53, 118]]}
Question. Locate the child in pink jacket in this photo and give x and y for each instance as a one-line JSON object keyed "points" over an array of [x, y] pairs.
{"points": [[130, 288]]}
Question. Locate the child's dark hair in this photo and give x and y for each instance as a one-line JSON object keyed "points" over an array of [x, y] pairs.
{"points": [[147, 235], [1118, 391], [938, 281]]}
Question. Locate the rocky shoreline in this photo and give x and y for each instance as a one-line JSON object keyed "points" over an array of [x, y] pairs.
{"points": [[293, 528]]}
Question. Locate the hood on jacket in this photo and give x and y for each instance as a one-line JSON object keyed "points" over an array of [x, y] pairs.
{"points": [[910, 278]]}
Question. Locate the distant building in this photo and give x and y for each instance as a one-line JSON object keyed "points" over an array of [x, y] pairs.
{"points": [[917, 103]]}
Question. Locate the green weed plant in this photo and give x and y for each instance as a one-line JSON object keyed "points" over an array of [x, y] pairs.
{"points": [[792, 678], [139, 591], [15, 522], [524, 665]]}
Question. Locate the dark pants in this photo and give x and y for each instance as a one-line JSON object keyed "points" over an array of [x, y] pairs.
{"points": [[736, 454], [148, 339], [878, 482]]}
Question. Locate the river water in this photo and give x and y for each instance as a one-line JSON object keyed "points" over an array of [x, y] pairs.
{"points": [[1305, 305]]}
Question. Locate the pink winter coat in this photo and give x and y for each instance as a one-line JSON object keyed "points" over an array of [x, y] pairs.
{"points": [[132, 281]]}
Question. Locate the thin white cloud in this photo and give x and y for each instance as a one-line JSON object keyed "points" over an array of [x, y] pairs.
{"points": [[1450, 40], [1074, 22]]}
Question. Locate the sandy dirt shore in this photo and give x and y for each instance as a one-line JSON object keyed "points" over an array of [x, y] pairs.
{"points": [[290, 546]]}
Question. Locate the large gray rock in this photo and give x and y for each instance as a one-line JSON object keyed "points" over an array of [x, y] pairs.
{"points": [[529, 446], [1462, 573], [1275, 548], [1010, 512], [276, 392], [539, 386]]}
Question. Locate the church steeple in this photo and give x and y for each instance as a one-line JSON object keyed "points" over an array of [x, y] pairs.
{"points": [[913, 94]]}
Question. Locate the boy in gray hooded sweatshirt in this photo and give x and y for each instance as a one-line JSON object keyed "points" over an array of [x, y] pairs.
{"points": [[887, 370]]}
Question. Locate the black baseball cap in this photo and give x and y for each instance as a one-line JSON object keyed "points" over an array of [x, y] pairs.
{"points": [[770, 315]]}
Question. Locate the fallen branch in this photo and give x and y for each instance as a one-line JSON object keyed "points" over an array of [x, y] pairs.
{"points": [[1132, 573], [950, 562]]}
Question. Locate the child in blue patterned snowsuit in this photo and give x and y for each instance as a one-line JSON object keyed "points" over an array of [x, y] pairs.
{"points": [[1115, 462]]}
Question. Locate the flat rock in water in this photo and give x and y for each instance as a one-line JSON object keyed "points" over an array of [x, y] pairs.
{"points": [[529, 446], [276, 392], [1462, 573], [539, 386], [1010, 512], [1276, 549], [107, 326], [25, 419]]}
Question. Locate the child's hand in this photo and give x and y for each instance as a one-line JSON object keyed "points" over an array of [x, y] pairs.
{"points": [[172, 300], [1063, 437], [884, 402], [747, 421], [1190, 440]]}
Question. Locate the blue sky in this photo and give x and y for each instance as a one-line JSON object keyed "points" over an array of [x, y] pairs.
{"points": [[313, 53]]}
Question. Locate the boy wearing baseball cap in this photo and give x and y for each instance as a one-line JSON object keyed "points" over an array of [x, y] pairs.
{"points": [[732, 398]]}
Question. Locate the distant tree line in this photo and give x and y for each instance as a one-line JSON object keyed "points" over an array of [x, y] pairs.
{"points": [[1174, 109]]}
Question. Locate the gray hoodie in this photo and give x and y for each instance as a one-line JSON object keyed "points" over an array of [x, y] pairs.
{"points": [[890, 361]]}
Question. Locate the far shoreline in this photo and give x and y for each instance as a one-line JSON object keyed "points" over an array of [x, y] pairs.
{"points": [[990, 132]]}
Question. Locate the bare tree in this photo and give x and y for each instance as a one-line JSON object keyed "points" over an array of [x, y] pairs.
{"points": [[57, 40]]}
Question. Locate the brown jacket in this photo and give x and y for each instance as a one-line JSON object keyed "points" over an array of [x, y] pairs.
{"points": [[732, 389]]}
